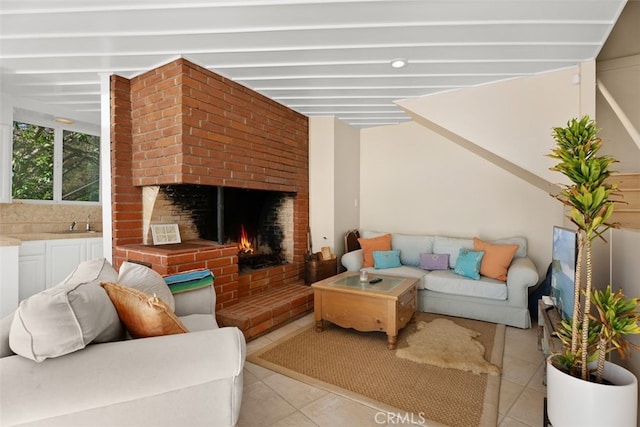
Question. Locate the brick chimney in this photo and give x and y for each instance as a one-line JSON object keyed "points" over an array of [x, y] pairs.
{"points": [[183, 124]]}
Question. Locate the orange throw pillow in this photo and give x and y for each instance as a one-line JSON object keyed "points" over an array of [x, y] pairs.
{"points": [[143, 315], [496, 259], [380, 243]]}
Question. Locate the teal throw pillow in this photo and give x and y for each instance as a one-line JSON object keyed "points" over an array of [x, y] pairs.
{"points": [[468, 263], [386, 259]]}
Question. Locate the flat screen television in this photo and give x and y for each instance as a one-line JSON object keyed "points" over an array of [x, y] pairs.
{"points": [[563, 269]]}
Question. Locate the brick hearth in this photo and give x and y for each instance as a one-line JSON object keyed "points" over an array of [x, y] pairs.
{"points": [[182, 124]]}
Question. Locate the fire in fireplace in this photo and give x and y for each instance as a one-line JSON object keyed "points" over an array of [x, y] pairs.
{"points": [[244, 245], [260, 222], [252, 256]]}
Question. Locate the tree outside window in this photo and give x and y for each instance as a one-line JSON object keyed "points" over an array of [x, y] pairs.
{"points": [[35, 158], [80, 167]]}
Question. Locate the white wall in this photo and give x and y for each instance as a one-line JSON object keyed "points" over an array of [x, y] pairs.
{"points": [[621, 79], [321, 182], [415, 181], [513, 119], [625, 274], [347, 182], [334, 159], [6, 129]]}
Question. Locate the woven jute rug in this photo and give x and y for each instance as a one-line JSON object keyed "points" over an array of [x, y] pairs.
{"points": [[359, 365]]}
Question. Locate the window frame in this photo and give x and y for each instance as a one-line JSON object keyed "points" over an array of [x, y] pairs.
{"points": [[58, 130]]}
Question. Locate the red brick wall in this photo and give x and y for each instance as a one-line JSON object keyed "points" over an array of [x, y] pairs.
{"points": [[126, 200], [222, 260], [195, 127], [181, 123]]}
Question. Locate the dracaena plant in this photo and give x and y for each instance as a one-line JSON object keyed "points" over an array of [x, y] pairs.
{"points": [[590, 208], [616, 316]]}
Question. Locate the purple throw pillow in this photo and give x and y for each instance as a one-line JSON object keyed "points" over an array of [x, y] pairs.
{"points": [[434, 261]]}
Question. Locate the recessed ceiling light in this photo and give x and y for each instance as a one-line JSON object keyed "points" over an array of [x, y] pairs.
{"points": [[398, 62], [64, 121]]}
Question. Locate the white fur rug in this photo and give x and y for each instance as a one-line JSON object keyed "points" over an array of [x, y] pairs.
{"points": [[445, 344]]}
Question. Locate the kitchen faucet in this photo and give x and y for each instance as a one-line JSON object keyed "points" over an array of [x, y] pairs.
{"points": [[88, 228], [73, 225]]}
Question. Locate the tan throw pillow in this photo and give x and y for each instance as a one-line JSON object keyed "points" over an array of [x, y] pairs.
{"points": [[496, 259], [144, 279], [380, 243], [143, 315], [67, 317]]}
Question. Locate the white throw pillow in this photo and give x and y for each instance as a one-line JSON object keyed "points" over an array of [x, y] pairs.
{"points": [[67, 317], [144, 279]]}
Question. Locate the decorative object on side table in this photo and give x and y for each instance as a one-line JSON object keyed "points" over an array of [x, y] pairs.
{"points": [[574, 397], [320, 265]]}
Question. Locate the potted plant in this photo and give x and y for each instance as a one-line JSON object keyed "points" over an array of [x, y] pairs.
{"points": [[588, 337]]}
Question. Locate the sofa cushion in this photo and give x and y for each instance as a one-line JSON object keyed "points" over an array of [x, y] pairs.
{"points": [[468, 264], [199, 322], [67, 317], [144, 279], [380, 243], [368, 234], [451, 246], [430, 261], [411, 246], [142, 314], [446, 281], [386, 259], [496, 259], [520, 241]]}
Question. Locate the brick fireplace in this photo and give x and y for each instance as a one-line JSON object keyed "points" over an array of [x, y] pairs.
{"points": [[181, 126]]}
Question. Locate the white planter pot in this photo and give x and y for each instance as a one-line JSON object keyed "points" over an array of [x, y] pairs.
{"points": [[574, 402]]}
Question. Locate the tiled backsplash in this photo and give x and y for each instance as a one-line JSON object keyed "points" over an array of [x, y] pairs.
{"points": [[21, 218]]}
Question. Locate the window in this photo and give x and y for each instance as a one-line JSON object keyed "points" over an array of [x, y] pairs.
{"points": [[55, 164]]}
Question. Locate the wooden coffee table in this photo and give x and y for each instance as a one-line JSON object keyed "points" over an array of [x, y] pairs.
{"points": [[386, 306]]}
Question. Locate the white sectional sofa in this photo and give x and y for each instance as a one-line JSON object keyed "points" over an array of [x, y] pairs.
{"points": [[184, 379], [445, 292]]}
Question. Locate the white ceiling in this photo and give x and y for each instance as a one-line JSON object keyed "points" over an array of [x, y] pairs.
{"points": [[317, 57]]}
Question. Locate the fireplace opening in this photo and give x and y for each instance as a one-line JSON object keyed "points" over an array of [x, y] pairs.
{"points": [[259, 222]]}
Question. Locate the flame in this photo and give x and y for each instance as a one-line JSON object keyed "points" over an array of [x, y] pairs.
{"points": [[245, 244]]}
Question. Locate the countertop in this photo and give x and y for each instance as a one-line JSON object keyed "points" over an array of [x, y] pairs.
{"points": [[18, 238]]}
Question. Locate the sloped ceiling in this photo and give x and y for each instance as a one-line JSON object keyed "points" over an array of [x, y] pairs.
{"points": [[317, 57]]}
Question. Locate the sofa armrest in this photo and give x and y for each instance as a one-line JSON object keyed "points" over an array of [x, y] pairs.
{"points": [[522, 274], [198, 301], [353, 260], [161, 377]]}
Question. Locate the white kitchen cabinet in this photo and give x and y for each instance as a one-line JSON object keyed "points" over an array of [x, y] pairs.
{"points": [[63, 256], [94, 248], [31, 268], [45, 263], [8, 279]]}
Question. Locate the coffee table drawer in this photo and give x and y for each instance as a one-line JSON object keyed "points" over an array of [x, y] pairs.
{"points": [[408, 298], [406, 307], [357, 312]]}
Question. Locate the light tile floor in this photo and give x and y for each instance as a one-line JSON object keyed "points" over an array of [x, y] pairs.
{"points": [[272, 399]]}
